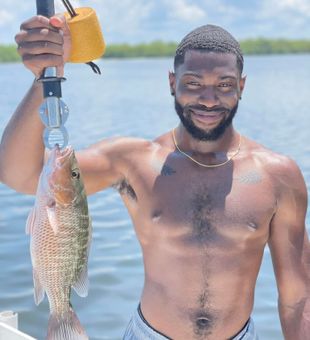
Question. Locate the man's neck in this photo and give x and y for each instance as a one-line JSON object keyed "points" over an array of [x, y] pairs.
{"points": [[226, 143]]}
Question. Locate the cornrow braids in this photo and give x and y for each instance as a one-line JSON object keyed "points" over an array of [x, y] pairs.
{"points": [[209, 38]]}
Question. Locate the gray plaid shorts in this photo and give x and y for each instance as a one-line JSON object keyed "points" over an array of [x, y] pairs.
{"points": [[139, 329]]}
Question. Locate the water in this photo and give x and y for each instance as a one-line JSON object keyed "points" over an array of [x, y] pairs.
{"points": [[132, 98]]}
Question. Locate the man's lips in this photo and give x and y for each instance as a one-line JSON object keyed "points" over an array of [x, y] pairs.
{"points": [[207, 116]]}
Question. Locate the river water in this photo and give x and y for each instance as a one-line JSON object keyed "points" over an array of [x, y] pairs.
{"points": [[132, 98]]}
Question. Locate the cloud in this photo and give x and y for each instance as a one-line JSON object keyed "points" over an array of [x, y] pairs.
{"points": [[285, 8], [5, 17], [302, 6], [286, 18], [124, 20], [180, 9], [135, 21]]}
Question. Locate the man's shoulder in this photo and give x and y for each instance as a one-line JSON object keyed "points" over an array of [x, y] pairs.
{"points": [[279, 166]]}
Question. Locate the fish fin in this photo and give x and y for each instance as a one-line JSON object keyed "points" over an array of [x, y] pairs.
{"points": [[82, 284], [89, 235], [38, 289], [30, 221], [52, 217], [65, 326]]}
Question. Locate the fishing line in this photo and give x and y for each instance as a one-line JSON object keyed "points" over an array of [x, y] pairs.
{"points": [[95, 67], [69, 8]]}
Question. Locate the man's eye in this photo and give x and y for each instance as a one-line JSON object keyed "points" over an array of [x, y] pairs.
{"points": [[192, 84], [225, 85]]}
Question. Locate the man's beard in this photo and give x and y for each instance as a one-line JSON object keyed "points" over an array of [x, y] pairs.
{"points": [[196, 132]]}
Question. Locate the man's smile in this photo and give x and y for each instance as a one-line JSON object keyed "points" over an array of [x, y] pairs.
{"points": [[205, 117]]}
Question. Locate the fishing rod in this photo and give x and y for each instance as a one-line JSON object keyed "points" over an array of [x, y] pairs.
{"points": [[53, 112], [87, 44]]}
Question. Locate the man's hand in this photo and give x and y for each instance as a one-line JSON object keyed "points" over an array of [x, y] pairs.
{"points": [[44, 42]]}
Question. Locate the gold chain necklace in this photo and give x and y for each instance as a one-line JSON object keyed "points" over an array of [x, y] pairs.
{"points": [[206, 165]]}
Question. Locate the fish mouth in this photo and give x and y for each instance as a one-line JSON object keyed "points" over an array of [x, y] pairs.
{"points": [[57, 174], [58, 159], [58, 153], [60, 156], [63, 153]]}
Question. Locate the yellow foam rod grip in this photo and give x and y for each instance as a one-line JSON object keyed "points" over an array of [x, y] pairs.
{"points": [[86, 35]]}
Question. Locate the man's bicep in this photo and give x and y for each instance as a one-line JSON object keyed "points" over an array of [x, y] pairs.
{"points": [[289, 260], [288, 239], [100, 166]]}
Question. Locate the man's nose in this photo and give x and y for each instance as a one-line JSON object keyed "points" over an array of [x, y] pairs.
{"points": [[208, 97]]}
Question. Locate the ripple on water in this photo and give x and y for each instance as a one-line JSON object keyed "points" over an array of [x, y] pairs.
{"points": [[114, 224]]}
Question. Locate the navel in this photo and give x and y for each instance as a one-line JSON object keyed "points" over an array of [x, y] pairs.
{"points": [[203, 323]]}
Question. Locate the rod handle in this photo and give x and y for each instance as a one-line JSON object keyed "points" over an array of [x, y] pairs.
{"points": [[45, 8]]}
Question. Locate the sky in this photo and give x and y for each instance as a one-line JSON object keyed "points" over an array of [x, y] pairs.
{"points": [[134, 21]]}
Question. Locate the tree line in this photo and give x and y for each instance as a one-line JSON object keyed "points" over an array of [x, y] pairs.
{"points": [[259, 46]]}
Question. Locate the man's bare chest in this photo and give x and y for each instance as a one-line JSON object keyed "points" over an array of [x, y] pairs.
{"points": [[200, 204]]}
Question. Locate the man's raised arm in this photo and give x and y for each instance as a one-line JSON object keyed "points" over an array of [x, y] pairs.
{"points": [[21, 150], [290, 251]]}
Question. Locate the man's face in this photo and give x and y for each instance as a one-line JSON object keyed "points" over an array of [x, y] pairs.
{"points": [[207, 88]]}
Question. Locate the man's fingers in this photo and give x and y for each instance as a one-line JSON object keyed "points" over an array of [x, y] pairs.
{"points": [[44, 60], [35, 22], [40, 47], [36, 34], [44, 42], [59, 21]]}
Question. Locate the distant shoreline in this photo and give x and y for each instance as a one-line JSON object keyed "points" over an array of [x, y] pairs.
{"points": [[259, 46]]}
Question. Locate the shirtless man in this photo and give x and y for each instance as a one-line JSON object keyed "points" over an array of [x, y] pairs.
{"points": [[203, 199]]}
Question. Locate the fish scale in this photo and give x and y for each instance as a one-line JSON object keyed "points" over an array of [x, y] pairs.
{"points": [[60, 230]]}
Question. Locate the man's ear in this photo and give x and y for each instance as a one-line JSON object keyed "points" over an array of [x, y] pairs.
{"points": [[172, 82], [241, 85]]}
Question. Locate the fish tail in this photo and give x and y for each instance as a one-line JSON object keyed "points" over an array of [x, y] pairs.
{"points": [[65, 327]]}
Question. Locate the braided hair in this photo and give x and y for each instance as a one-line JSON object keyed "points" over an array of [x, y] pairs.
{"points": [[209, 38]]}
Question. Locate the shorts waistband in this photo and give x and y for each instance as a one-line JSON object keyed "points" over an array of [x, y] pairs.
{"points": [[147, 324], [139, 328]]}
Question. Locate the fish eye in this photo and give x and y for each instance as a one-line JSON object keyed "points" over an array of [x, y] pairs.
{"points": [[75, 174]]}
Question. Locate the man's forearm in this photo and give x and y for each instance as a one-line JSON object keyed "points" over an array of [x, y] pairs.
{"points": [[21, 148], [295, 320]]}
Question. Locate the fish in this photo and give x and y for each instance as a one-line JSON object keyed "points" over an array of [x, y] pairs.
{"points": [[60, 228]]}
